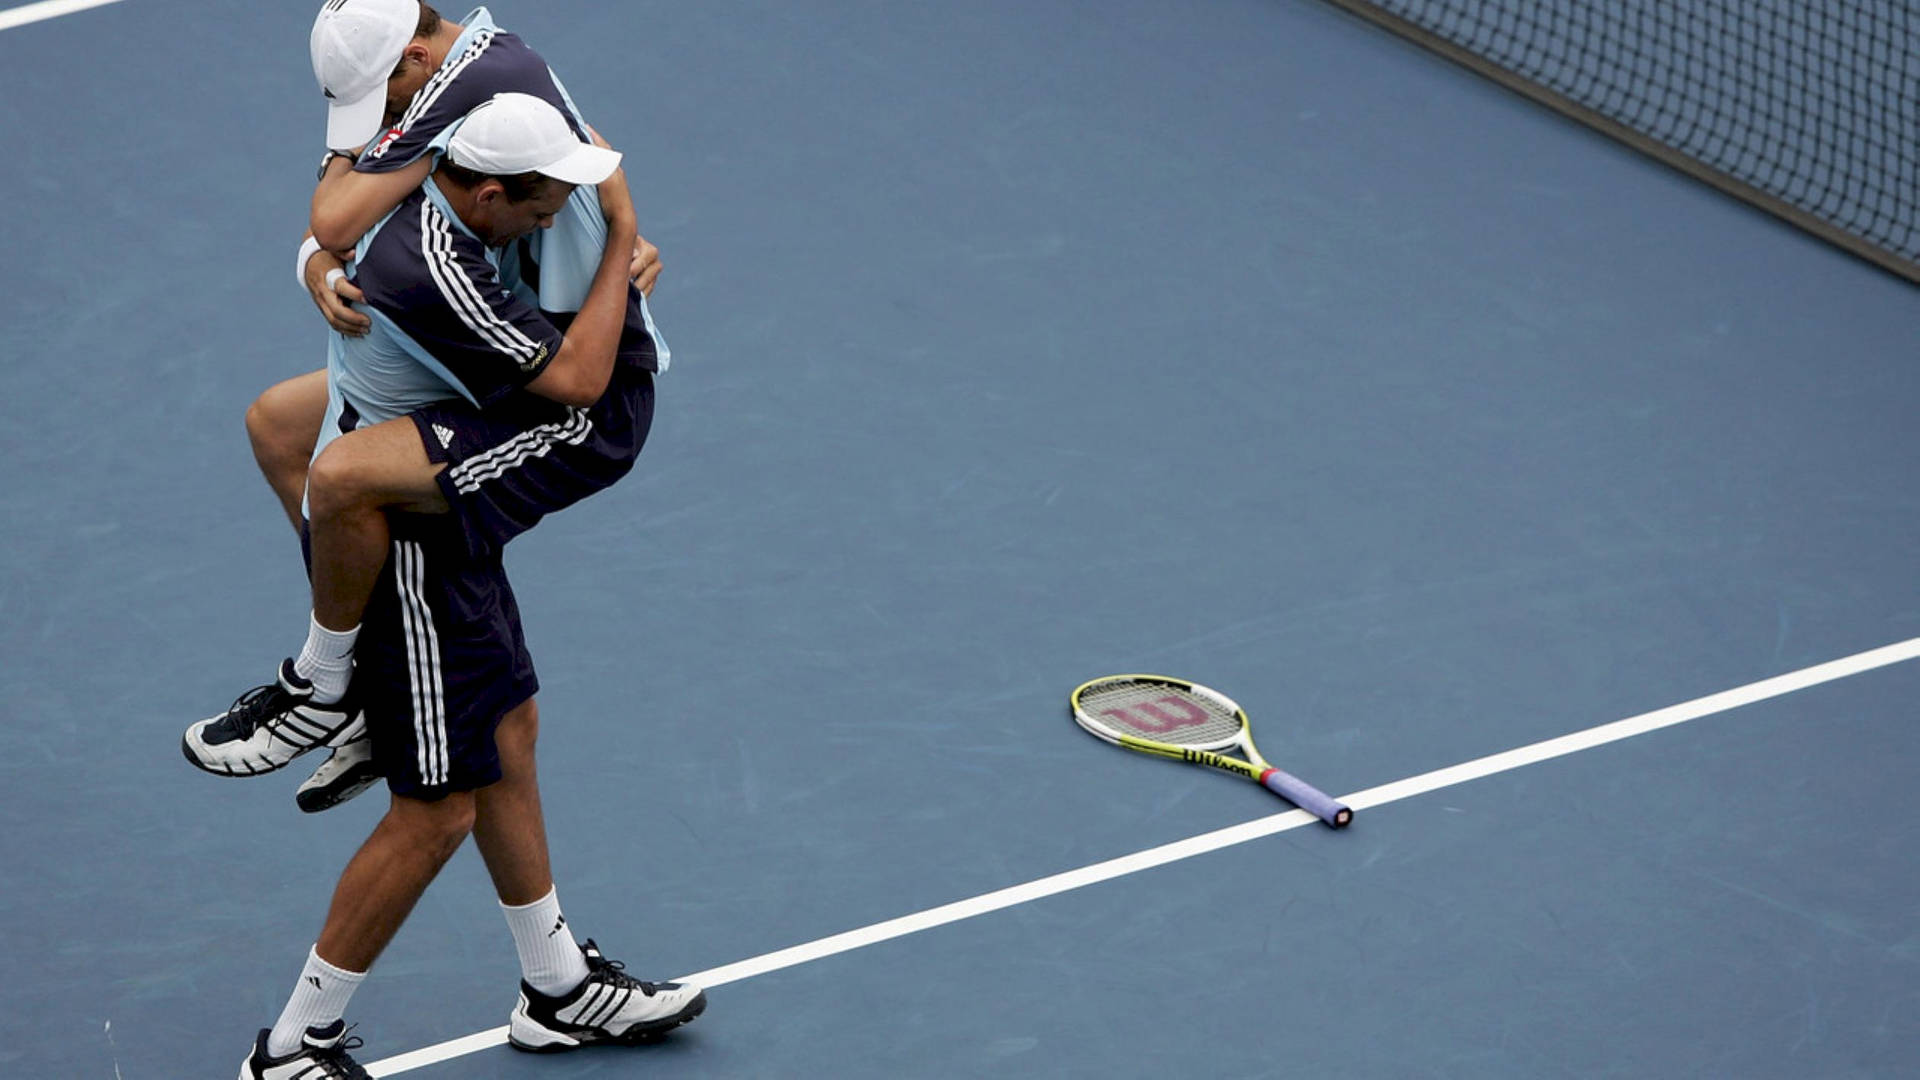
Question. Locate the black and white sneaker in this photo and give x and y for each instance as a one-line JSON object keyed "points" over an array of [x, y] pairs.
{"points": [[610, 1007], [347, 772], [322, 1056], [267, 727]]}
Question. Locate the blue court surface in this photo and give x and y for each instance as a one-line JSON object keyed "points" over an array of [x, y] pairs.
{"points": [[1015, 343]]}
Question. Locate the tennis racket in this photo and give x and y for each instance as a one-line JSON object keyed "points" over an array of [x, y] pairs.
{"points": [[1174, 718]]}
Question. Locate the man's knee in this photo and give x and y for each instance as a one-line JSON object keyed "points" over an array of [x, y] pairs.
{"points": [[340, 481], [384, 467], [520, 727], [278, 429], [439, 826]]}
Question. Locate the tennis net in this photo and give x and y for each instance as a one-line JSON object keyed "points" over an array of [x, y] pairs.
{"points": [[1805, 108]]}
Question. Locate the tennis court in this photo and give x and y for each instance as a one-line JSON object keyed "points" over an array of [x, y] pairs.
{"points": [[1015, 343]]}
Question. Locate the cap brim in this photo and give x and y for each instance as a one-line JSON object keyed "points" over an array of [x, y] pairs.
{"points": [[353, 124], [586, 164]]}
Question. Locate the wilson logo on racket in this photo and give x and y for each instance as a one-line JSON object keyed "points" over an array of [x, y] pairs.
{"points": [[1157, 720], [1208, 757]]}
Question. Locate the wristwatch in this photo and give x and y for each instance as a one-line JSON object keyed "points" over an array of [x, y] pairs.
{"points": [[328, 160]]}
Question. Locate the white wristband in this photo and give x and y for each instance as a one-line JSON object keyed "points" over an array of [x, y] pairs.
{"points": [[308, 250]]}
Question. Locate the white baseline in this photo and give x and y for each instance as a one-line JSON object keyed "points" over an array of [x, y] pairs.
{"points": [[45, 9], [1238, 834]]}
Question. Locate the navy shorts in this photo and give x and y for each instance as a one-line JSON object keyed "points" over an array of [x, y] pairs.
{"points": [[440, 659], [518, 460]]}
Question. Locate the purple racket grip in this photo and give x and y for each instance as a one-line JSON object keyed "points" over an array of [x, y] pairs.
{"points": [[1307, 797]]}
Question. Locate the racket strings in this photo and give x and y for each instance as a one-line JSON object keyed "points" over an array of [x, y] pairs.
{"points": [[1160, 712]]}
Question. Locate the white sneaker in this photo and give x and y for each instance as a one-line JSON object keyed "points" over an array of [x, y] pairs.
{"points": [[266, 727], [347, 772], [322, 1056], [611, 1006]]}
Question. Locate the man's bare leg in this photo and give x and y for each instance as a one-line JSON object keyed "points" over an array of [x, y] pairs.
{"points": [[350, 486], [387, 876], [380, 886], [511, 834], [572, 996], [353, 483], [508, 827], [283, 424], [360, 476]]}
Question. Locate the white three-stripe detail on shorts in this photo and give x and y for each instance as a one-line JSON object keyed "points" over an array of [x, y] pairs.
{"points": [[423, 664], [436, 246], [534, 442], [437, 85]]}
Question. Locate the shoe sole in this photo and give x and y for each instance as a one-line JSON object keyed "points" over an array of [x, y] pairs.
{"points": [[355, 780], [186, 750], [647, 1031]]}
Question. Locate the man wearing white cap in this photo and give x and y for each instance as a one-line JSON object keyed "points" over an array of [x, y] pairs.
{"points": [[445, 680], [398, 60], [396, 63]]}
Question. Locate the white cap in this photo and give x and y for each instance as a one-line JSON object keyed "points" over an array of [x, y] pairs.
{"points": [[355, 46], [509, 134]]}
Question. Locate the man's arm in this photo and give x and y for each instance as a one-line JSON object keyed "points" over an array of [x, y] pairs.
{"points": [[579, 372], [645, 268], [347, 203]]}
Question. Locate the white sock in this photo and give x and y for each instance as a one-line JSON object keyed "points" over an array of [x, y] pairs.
{"points": [[550, 960], [326, 661], [319, 998]]}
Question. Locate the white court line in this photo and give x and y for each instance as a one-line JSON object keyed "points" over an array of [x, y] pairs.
{"points": [[1238, 834], [45, 9]]}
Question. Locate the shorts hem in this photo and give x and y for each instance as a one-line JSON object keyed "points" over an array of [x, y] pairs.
{"points": [[410, 786]]}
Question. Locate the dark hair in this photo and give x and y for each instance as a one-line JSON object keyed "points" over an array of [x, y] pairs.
{"points": [[428, 26], [519, 187]]}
